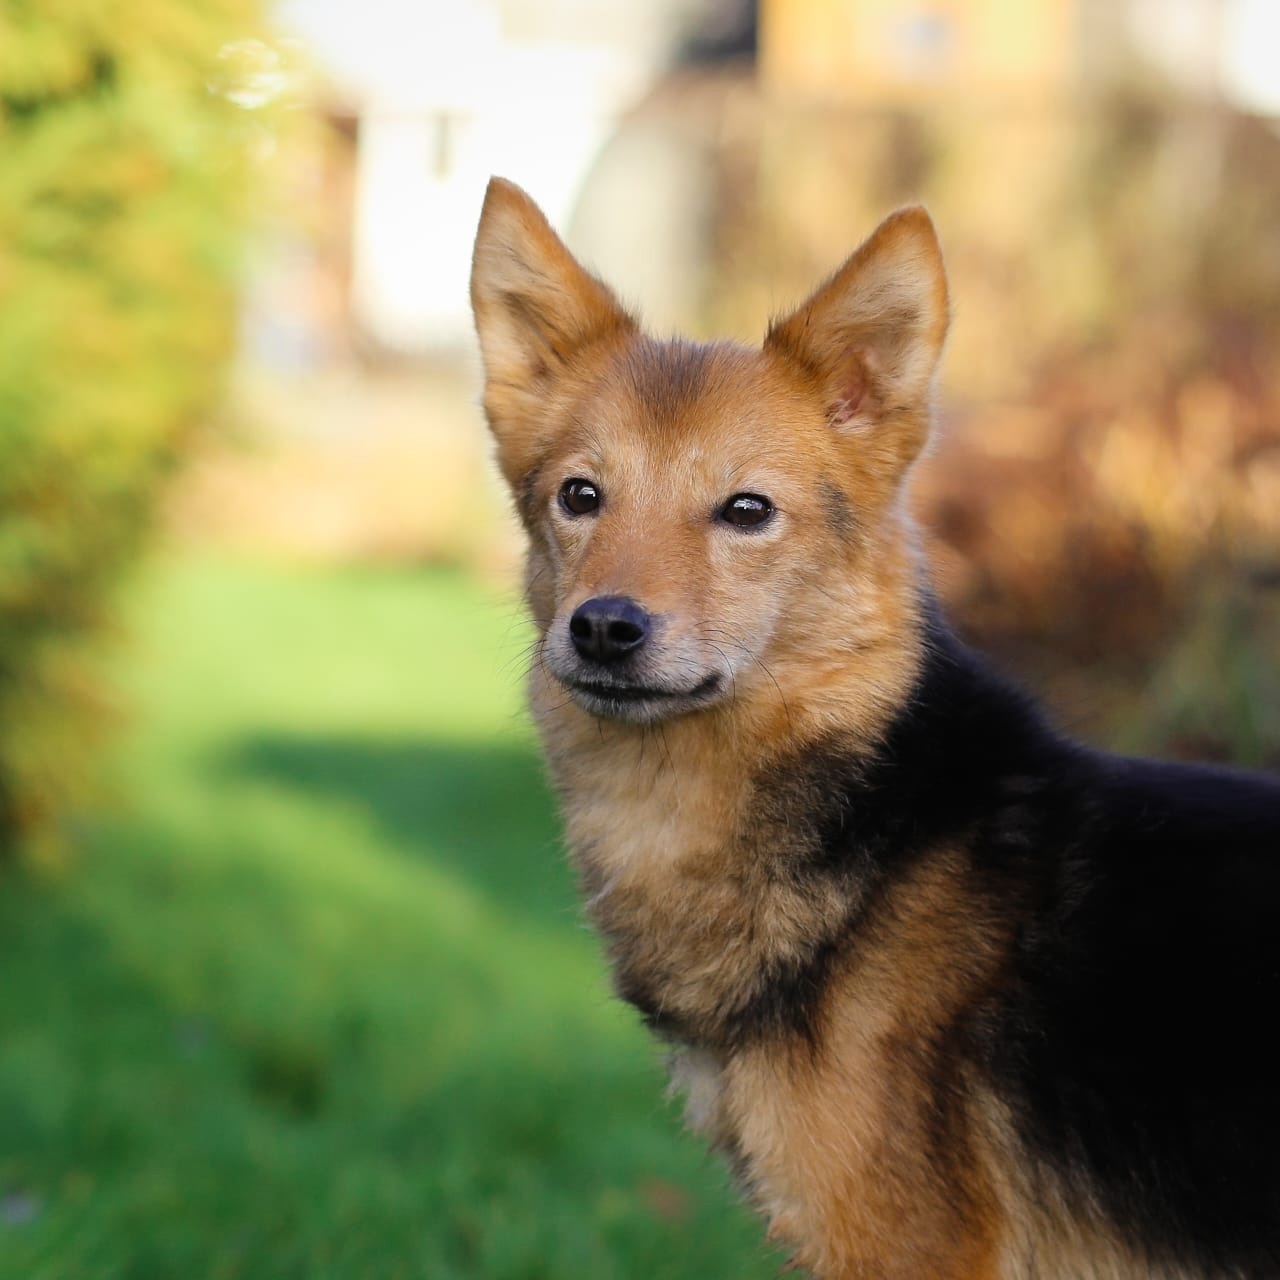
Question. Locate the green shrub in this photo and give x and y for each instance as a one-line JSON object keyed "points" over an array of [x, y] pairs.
{"points": [[122, 182]]}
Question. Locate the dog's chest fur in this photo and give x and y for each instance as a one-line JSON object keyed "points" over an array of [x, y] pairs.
{"points": [[805, 1003], [790, 987], [704, 879]]}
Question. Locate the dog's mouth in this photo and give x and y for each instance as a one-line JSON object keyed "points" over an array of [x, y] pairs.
{"points": [[620, 701]]}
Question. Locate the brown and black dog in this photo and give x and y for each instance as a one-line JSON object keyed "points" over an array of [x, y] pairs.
{"points": [[957, 997]]}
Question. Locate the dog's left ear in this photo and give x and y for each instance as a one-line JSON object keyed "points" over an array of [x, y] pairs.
{"points": [[870, 337]]}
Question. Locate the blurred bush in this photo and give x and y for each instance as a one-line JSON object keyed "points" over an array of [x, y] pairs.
{"points": [[125, 163]]}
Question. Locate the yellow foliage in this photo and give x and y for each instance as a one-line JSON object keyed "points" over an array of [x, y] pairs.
{"points": [[121, 194]]}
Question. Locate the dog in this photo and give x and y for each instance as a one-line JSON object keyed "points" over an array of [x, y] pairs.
{"points": [[956, 996]]}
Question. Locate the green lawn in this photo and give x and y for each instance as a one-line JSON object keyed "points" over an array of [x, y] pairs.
{"points": [[313, 999]]}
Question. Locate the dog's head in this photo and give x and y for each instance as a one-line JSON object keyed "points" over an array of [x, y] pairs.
{"points": [[704, 519]]}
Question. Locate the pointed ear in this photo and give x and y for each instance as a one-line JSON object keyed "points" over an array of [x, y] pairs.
{"points": [[535, 306], [870, 337]]}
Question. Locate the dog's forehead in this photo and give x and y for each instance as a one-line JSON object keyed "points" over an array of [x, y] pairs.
{"points": [[685, 397]]}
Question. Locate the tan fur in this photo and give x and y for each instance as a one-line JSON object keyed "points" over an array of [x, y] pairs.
{"points": [[865, 1153], [1054, 1232], [841, 1143]]}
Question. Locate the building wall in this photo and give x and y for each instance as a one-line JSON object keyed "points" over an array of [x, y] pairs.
{"points": [[890, 51]]}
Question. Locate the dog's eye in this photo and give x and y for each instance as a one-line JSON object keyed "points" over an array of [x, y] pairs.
{"points": [[746, 510], [579, 497]]}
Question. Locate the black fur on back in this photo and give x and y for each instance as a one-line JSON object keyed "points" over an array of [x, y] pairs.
{"points": [[1135, 1039]]}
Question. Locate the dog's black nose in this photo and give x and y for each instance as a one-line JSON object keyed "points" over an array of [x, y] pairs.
{"points": [[607, 628]]}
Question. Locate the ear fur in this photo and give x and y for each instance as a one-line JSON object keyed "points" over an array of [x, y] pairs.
{"points": [[535, 307], [871, 335]]}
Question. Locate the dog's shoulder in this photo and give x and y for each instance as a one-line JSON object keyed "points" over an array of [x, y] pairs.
{"points": [[1127, 1026], [1136, 1040]]}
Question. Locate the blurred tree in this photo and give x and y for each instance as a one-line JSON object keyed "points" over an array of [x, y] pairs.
{"points": [[125, 166]]}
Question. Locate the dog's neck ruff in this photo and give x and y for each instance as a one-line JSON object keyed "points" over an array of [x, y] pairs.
{"points": [[693, 846]]}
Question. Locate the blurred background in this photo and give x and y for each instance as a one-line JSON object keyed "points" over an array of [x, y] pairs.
{"points": [[292, 982]]}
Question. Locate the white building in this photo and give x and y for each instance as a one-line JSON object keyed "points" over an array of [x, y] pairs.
{"points": [[448, 92]]}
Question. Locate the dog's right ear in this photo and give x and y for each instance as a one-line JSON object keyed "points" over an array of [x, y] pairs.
{"points": [[535, 308]]}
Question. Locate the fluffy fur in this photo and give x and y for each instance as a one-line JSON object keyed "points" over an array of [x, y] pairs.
{"points": [[956, 996]]}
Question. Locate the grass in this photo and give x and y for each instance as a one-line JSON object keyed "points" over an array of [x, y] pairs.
{"points": [[313, 999]]}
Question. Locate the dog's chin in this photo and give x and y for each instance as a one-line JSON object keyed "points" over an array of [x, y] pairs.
{"points": [[636, 703]]}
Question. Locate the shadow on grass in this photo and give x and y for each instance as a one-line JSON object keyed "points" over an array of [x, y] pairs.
{"points": [[199, 1075], [482, 812], [191, 1136]]}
